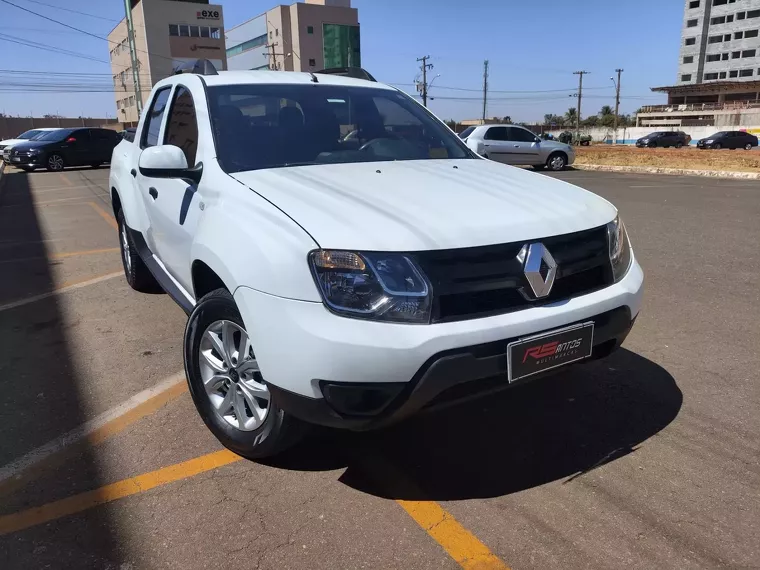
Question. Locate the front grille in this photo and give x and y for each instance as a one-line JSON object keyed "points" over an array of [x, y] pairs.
{"points": [[483, 281]]}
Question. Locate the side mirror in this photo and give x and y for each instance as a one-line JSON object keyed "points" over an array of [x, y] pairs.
{"points": [[538, 140], [168, 161]]}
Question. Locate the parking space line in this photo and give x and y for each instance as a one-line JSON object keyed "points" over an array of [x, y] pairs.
{"points": [[67, 286], [92, 432], [105, 215], [66, 181], [63, 255], [125, 488], [46, 189]]}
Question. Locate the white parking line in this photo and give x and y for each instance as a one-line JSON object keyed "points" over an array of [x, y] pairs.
{"points": [[71, 287], [163, 391]]}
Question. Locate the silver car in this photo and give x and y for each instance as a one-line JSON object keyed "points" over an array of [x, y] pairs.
{"points": [[511, 144]]}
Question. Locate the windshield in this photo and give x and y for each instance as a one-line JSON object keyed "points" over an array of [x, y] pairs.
{"points": [[29, 134], [270, 126], [466, 133], [653, 136], [719, 135], [58, 135]]}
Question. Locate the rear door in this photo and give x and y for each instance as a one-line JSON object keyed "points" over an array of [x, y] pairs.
{"points": [[77, 148], [104, 141], [496, 145], [524, 148]]}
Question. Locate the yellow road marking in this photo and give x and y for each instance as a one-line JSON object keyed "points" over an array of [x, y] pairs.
{"points": [[67, 286], [463, 546], [66, 181], [125, 488], [34, 464], [105, 215], [63, 255]]}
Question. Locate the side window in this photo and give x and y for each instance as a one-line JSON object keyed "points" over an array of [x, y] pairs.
{"points": [[81, 135], [520, 135], [153, 120], [496, 134], [182, 124]]}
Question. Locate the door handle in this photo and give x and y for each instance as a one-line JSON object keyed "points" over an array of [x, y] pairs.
{"points": [[133, 172], [153, 192], [517, 146]]}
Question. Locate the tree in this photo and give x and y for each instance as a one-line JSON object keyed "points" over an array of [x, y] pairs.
{"points": [[551, 119], [591, 121], [507, 120], [606, 110], [571, 115]]}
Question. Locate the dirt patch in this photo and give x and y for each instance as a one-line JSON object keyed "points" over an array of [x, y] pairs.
{"points": [[691, 158]]}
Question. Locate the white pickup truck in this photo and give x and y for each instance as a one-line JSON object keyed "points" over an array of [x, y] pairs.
{"points": [[345, 259]]}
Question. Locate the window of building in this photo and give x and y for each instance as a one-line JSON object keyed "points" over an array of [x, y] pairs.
{"points": [[309, 29], [132, 101], [312, 62], [746, 72], [277, 32], [733, 73], [719, 2], [711, 57], [182, 125], [741, 15], [724, 56], [738, 35], [722, 74], [686, 77], [729, 18], [750, 34], [711, 76], [195, 32], [173, 30], [340, 46], [718, 20], [692, 23], [245, 46], [184, 31], [736, 54], [727, 38], [205, 32], [153, 120], [690, 41], [270, 35], [714, 39], [215, 33], [749, 53], [688, 59], [753, 14], [694, 4]]}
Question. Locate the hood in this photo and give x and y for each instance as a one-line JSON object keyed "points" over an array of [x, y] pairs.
{"points": [[26, 145], [9, 142], [426, 204]]}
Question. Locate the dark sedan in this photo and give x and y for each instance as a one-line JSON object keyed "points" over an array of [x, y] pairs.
{"points": [[664, 139], [65, 147], [729, 139]]}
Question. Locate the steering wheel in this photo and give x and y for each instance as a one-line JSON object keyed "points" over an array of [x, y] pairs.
{"points": [[374, 141]]}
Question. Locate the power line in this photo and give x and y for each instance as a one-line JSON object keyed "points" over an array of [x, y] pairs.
{"points": [[72, 11], [44, 47]]}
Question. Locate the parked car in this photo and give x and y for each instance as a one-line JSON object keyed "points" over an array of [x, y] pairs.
{"points": [[729, 139], [664, 139], [512, 144], [348, 283], [65, 147], [128, 134], [23, 137]]}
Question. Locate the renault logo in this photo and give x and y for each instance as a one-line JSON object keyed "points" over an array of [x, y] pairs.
{"points": [[540, 269]]}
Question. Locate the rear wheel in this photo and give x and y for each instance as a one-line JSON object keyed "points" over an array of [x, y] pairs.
{"points": [[55, 163], [136, 272], [556, 161], [226, 384]]}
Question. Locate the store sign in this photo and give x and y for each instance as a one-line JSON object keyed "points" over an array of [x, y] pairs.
{"points": [[208, 14], [196, 47]]}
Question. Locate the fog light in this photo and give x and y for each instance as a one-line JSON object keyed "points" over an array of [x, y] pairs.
{"points": [[366, 399]]}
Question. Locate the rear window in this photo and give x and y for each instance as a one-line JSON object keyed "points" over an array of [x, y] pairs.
{"points": [[466, 133]]}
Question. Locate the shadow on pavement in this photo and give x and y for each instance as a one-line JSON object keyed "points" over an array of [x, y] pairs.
{"points": [[552, 429], [41, 390]]}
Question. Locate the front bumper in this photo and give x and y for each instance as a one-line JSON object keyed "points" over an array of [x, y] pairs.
{"points": [[301, 347]]}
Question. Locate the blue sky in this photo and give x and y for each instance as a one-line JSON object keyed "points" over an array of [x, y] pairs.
{"points": [[533, 46]]}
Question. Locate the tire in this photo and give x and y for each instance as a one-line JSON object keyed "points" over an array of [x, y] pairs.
{"points": [[55, 163], [216, 315], [748, 146], [27, 168], [652, 145], [557, 161], [539, 166], [679, 145], [136, 272], [716, 146]]}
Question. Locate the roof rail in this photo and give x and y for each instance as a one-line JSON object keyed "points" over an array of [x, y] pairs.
{"points": [[355, 72], [198, 66]]}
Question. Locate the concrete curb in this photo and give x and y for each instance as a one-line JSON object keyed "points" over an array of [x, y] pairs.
{"points": [[669, 171]]}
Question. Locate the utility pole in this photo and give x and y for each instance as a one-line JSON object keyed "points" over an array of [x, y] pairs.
{"points": [[617, 103], [580, 96], [423, 87], [485, 90], [133, 56]]}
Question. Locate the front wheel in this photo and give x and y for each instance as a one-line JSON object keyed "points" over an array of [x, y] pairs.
{"points": [[717, 146], [556, 161], [748, 146], [679, 145], [55, 163], [226, 383]]}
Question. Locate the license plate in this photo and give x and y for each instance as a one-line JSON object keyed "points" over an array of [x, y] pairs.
{"points": [[545, 351], [16, 159]]}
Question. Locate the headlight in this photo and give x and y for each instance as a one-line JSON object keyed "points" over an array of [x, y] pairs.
{"points": [[709, 141], [644, 140], [376, 286], [34, 151], [620, 248]]}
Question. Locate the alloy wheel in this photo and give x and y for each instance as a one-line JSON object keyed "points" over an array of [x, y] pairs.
{"points": [[557, 163], [231, 376], [125, 249], [55, 162]]}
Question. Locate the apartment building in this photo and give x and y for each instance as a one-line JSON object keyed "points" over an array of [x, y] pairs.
{"points": [[310, 35], [167, 34]]}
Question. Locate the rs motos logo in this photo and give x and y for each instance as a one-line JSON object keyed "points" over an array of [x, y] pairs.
{"points": [[551, 349]]}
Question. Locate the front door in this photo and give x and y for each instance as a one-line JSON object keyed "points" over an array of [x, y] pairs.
{"points": [[174, 208], [495, 144], [524, 146]]}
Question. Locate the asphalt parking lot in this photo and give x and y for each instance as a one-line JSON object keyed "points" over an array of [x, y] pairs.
{"points": [[649, 459]]}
